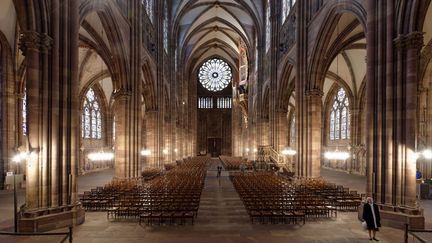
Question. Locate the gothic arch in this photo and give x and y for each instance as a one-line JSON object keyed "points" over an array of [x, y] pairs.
{"points": [[320, 59], [107, 17], [104, 107]]}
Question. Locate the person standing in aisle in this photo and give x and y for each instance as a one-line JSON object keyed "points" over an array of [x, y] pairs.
{"points": [[372, 217]]}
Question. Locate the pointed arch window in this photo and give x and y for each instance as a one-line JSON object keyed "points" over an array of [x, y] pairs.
{"points": [[91, 117], [293, 134], [24, 113], [268, 27], [148, 5], [165, 27], [114, 130], [340, 117]]}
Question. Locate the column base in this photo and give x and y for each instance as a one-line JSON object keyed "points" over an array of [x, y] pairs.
{"points": [[40, 220], [398, 216]]}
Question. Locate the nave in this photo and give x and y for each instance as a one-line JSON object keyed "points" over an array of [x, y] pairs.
{"points": [[222, 217]]}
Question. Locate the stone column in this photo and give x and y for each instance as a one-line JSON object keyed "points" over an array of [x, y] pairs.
{"points": [[313, 139], [391, 91], [283, 131], [414, 43], [150, 139], [52, 91]]}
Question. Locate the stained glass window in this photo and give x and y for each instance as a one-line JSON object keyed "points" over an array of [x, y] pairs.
{"points": [[340, 117], [268, 27], [114, 130], [148, 4], [224, 103], [24, 113], [91, 120], [293, 138], [205, 102], [165, 27], [215, 74]]}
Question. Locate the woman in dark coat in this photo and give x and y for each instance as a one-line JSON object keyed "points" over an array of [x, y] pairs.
{"points": [[372, 217]]}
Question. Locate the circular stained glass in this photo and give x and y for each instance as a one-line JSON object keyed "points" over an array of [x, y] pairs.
{"points": [[215, 74]]}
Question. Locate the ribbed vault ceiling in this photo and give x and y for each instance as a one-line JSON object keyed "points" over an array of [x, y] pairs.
{"points": [[207, 28]]}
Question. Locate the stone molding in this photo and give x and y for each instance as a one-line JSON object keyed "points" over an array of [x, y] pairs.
{"points": [[121, 94], [33, 40], [413, 40], [314, 93]]}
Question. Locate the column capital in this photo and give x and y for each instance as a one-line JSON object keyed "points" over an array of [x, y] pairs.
{"points": [[314, 93], [121, 94], [35, 41], [413, 40]]}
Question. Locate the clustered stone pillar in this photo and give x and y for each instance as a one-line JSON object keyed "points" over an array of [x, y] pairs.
{"points": [[125, 164], [52, 110], [128, 104], [391, 89], [283, 130]]}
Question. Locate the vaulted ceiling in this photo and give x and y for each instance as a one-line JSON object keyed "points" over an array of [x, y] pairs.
{"points": [[208, 28]]}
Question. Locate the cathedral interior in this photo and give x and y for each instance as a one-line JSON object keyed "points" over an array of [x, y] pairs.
{"points": [[214, 120]]}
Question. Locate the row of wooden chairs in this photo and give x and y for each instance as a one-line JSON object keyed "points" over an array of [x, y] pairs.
{"points": [[171, 198], [269, 198], [234, 163]]}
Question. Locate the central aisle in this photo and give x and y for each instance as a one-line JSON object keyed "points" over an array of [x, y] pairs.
{"points": [[220, 204]]}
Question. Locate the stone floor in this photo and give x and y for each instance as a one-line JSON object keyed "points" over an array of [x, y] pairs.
{"points": [[221, 218]]}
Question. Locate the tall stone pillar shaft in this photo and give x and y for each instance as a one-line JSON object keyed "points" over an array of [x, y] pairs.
{"points": [[283, 131], [52, 118], [150, 139], [314, 133]]}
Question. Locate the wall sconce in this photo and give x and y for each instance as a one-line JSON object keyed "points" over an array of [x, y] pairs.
{"points": [[20, 157], [165, 151], [427, 154]]}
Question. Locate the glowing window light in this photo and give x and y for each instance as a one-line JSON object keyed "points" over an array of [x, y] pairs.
{"points": [[215, 74]]}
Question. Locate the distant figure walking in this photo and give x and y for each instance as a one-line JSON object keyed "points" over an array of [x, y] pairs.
{"points": [[219, 170], [372, 217]]}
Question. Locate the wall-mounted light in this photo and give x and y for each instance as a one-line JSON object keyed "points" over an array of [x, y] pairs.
{"points": [[165, 151], [427, 154], [20, 157], [145, 152], [255, 150], [175, 150], [247, 150]]}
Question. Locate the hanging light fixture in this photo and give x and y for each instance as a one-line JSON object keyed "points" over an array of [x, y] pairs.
{"points": [[145, 152], [100, 156], [336, 155]]}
